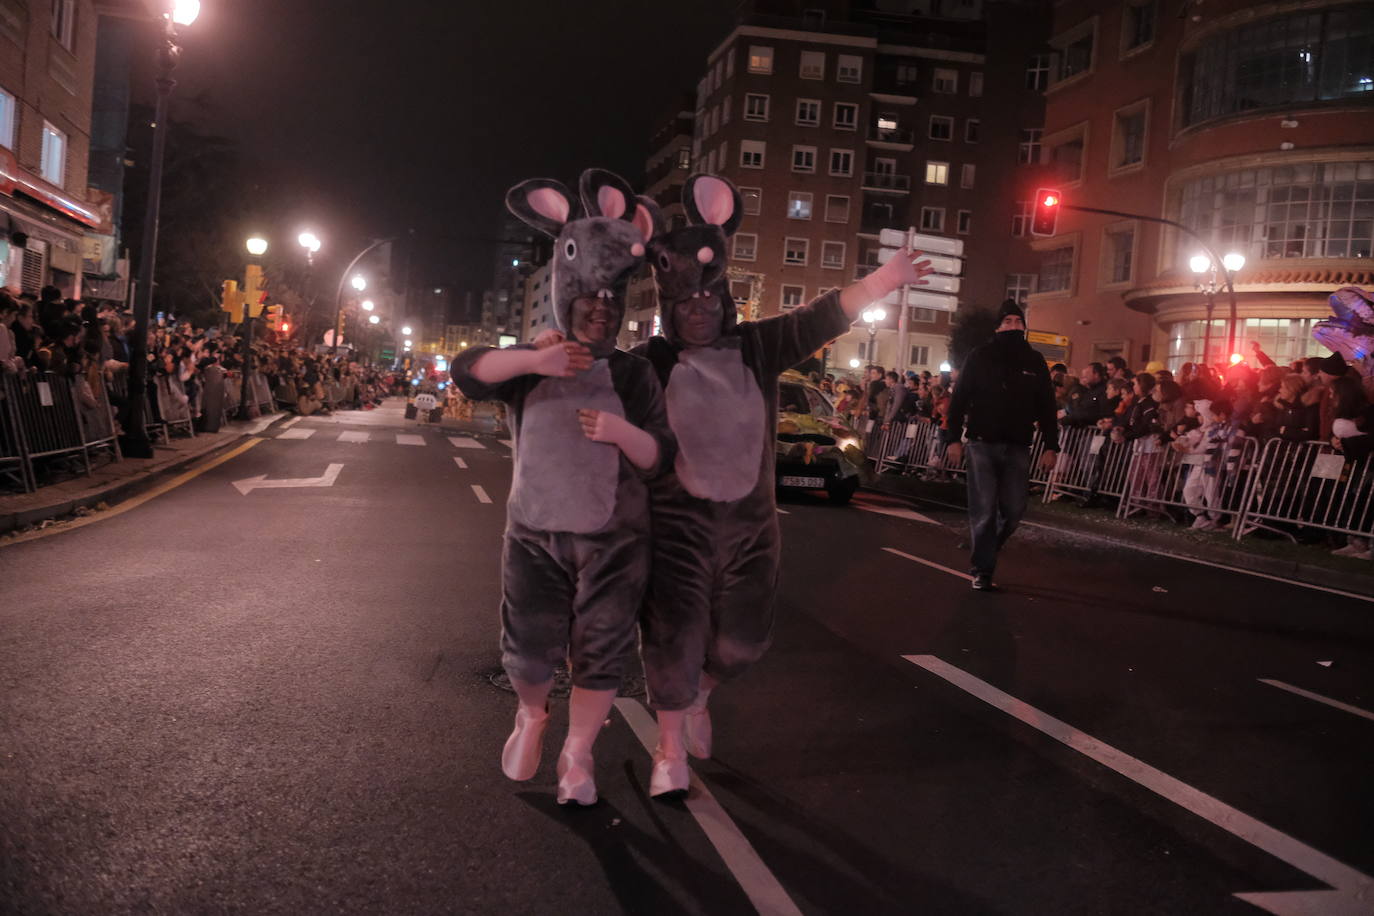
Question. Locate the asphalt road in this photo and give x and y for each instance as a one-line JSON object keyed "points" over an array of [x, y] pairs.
{"points": [[272, 699]]}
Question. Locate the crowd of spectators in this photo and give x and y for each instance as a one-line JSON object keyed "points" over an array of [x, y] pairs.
{"points": [[199, 370], [1201, 410]]}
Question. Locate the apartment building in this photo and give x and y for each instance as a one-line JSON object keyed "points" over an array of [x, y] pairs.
{"points": [[1250, 124], [837, 122], [47, 67]]}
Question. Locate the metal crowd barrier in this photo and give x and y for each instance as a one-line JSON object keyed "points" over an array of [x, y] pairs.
{"points": [[118, 386], [1090, 464], [97, 424], [1197, 484], [261, 393], [48, 421], [911, 448], [174, 407], [14, 457], [1308, 485]]}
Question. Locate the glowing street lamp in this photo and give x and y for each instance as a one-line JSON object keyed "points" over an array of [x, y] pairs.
{"points": [[373, 319], [409, 344], [1233, 261], [256, 245], [1200, 263], [871, 318], [184, 12], [854, 363], [309, 241], [406, 330], [368, 305], [359, 282]]}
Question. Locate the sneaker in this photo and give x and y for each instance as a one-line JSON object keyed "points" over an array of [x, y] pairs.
{"points": [[1203, 523], [671, 776], [983, 583]]}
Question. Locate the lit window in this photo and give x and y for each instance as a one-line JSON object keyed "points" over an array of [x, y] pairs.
{"points": [[751, 154], [846, 116], [795, 251], [837, 208], [887, 122], [937, 172], [813, 65], [54, 155], [941, 128], [7, 119], [799, 204], [841, 163], [849, 68], [809, 112], [803, 159], [760, 59], [684, 158], [792, 296], [753, 200], [832, 255], [945, 80], [933, 219], [755, 106], [746, 246]]}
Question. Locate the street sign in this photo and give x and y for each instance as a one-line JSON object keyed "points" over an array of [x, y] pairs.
{"points": [[917, 298], [941, 264], [930, 244], [388, 352]]}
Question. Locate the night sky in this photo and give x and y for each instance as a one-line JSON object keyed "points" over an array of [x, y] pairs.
{"points": [[379, 117]]}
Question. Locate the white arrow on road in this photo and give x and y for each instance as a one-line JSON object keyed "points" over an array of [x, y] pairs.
{"points": [[261, 482]]}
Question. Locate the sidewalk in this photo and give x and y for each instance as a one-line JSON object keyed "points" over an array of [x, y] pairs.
{"points": [[113, 482], [1309, 563]]}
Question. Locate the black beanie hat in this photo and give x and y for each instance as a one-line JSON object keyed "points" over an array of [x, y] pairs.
{"points": [[1009, 307], [1334, 365]]}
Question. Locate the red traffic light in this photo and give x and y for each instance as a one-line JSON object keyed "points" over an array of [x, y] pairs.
{"points": [[1046, 216]]}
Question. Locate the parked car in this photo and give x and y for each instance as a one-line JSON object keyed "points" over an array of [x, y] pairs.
{"points": [[816, 448]]}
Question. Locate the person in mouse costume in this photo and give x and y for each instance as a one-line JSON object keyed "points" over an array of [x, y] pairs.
{"points": [[709, 612], [590, 430]]}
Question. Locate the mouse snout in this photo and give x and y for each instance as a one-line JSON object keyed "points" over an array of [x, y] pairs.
{"points": [[637, 250], [705, 255]]}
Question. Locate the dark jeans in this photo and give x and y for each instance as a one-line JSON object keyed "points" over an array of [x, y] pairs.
{"points": [[998, 482]]}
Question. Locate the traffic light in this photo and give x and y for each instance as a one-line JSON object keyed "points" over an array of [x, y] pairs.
{"points": [[1046, 215], [231, 300], [254, 290], [276, 320]]}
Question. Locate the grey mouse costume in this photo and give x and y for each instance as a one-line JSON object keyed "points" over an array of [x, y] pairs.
{"points": [[716, 539], [576, 558]]}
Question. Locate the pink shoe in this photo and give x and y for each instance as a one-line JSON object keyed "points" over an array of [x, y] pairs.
{"points": [[575, 781], [520, 757], [670, 775], [696, 732]]}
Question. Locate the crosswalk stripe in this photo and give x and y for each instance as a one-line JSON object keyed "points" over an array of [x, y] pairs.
{"points": [[461, 463], [508, 443], [409, 439], [350, 435], [480, 493], [464, 442], [296, 434]]}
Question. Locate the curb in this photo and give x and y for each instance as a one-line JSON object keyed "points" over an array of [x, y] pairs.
{"points": [[1166, 543], [118, 492]]}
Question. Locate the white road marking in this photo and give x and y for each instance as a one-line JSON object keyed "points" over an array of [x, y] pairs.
{"points": [[1187, 559], [783, 512], [464, 442], [480, 493], [1353, 890], [1345, 707], [508, 443], [461, 463], [292, 422], [352, 435], [409, 439], [759, 884], [296, 434], [895, 512], [262, 424], [260, 482], [933, 565]]}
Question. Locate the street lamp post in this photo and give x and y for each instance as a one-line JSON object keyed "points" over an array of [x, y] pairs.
{"points": [[1205, 268], [135, 441], [359, 284], [257, 247], [871, 317], [312, 244]]}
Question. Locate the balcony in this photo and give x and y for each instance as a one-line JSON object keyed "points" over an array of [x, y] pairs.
{"points": [[893, 138], [887, 183]]}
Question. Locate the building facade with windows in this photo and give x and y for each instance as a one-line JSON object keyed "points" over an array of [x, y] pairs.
{"points": [[47, 69], [1251, 124], [837, 122]]}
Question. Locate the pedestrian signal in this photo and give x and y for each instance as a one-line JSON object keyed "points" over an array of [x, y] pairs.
{"points": [[1046, 216], [276, 320]]}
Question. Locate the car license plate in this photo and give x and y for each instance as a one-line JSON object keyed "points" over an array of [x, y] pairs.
{"points": [[817, 483]]}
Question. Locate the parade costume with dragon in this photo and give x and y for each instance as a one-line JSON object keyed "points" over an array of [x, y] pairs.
{"points": [[709, 612], [576, 558]]}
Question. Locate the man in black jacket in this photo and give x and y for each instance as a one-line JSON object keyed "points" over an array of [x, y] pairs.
{"points": [[1088, 402], [1004, 391]]}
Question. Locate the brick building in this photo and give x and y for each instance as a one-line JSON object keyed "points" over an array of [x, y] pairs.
{"points": [[838, 121], [1250, 123], [47, 68]]}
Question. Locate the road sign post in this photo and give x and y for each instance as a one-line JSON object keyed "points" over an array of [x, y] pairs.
{"points": [[946, 259]]}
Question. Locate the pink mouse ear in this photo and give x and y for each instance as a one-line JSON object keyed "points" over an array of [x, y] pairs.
{"points": [[714, 199], [610, 201], [549, 203], [644, 221]]}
